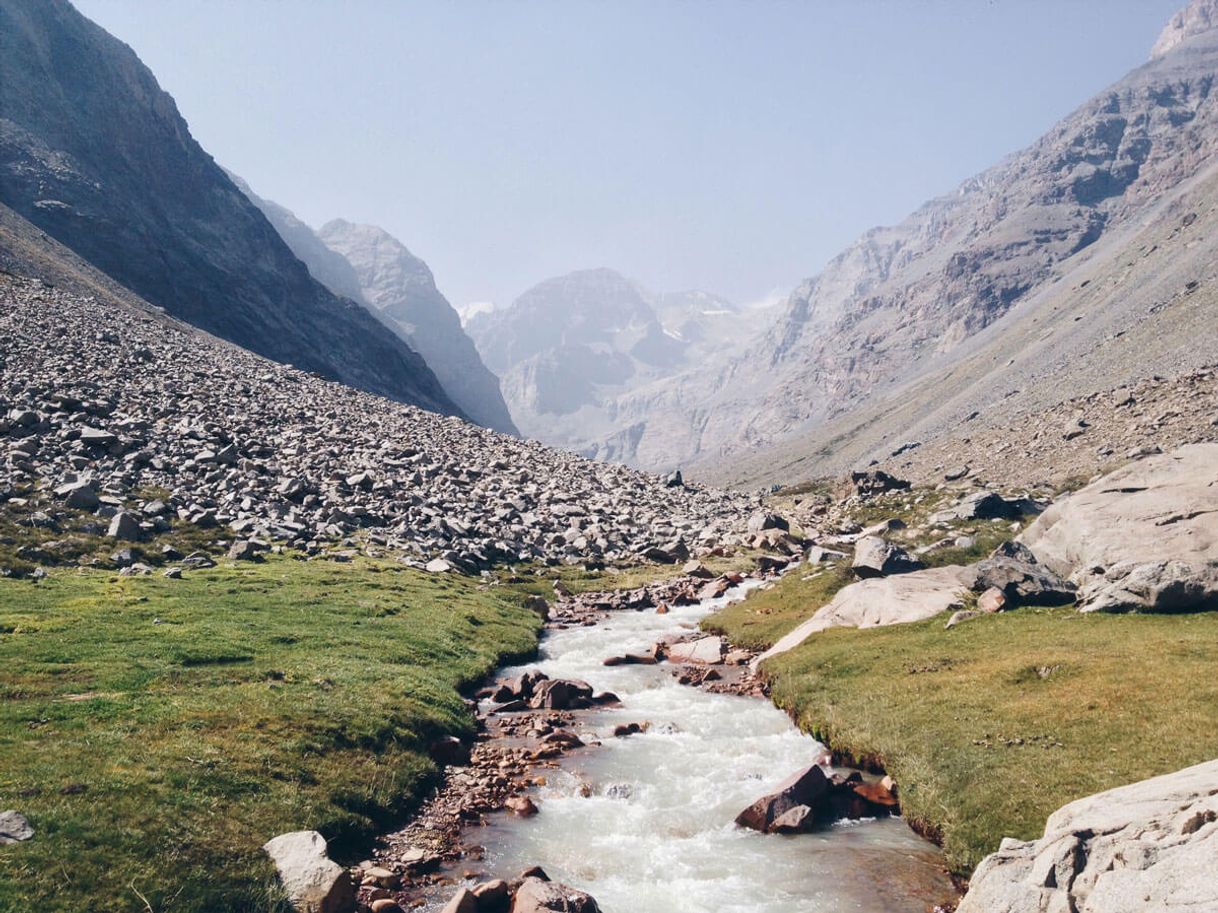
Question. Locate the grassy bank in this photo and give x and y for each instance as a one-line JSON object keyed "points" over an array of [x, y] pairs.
{"points": [[156, 732], [990, 727]]}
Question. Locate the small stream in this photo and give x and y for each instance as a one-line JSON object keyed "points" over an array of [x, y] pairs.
{"points": [[644, 823]]}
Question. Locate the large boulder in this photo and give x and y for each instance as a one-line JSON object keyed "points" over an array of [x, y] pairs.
{"points": [[537, 896], [313, 882], [984, 505], [1014, 571], [876, 557], [1152, 845], [1159, 514], [884, 601], [1160, 586], [783, 809], [708, 650]]}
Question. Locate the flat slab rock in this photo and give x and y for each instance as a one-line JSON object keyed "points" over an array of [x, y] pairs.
{"points": [[1149, 846], [893, 600], [1160, 510]]}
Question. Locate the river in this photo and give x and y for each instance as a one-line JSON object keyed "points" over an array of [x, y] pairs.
{"points": [[645, 823]]}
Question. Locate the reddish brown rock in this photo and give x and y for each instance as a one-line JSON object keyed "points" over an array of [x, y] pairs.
{"points": [[806, 787], [537, 896], [522, 806]]}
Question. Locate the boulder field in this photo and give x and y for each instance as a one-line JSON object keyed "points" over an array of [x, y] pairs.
{"points": [[122, 411]]}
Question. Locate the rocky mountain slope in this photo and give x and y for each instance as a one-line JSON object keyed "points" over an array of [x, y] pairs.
{"points": [[368, 265], [108, 404], [95, 154], [401, 290], [569, 347], [923, 296]]}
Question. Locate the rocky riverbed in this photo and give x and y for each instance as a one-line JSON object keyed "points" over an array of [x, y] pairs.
{"points": [[600, 766]]}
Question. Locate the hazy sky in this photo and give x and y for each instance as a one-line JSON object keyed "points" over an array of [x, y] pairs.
{"points": [[731, 146]]}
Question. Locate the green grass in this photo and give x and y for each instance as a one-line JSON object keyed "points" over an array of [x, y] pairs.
{"points": [[990, 727], [156, 732], [767, 614]]}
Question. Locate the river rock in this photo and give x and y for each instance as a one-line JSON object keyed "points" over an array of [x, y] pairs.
{"points": [[899, 599], [537, 896], [493, 896], [1149, 846], [706, 650], [876, 557], [14, 827], [464, 901], [312, 881], [560, 694], [803, 788]]}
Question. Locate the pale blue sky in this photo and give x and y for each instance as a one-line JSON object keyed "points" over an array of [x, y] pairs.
{"points": [[731, 146]]}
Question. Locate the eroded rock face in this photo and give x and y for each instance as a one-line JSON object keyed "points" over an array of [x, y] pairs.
{"points": [[1146, 847], [1143, 537], [313, 882]]}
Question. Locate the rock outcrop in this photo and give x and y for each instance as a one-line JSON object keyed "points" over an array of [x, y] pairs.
{"points": [[1152, 845], [900, 599], [96, 155], [1142, 537], [312, 881]]}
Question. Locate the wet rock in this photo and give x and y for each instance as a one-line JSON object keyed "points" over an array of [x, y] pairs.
{"points": [[803, 788], [537, 896], [464, 901], [312, 882], [560, 694], [493, 896], [704, 650], [521, 806], [630, 659], [793, 821]]}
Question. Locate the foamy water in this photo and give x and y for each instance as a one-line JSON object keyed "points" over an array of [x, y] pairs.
{"points": [[655, 834]]}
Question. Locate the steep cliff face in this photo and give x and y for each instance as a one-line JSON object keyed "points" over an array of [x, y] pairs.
{"points": [[95, 154], [903, 299], [399, 288], [569, 347]]}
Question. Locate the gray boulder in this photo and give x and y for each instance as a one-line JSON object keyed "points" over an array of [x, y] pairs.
{"points": [[705, 650], [1149, 846], [14, 827], [1021, 581], [984, 505], [125, 525], [1145, 536], [313, 882], [899, 599], [876, 557], [1160, 586], [80, 495]]}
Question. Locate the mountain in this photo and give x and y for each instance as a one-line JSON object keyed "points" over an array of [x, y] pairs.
{"points": [[95, 154], [905, 304], [401, 290], [368, 265], [569, 347]]}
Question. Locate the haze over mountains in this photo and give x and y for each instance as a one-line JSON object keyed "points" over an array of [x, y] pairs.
{"points": [[569, 347], [367, 264]]}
